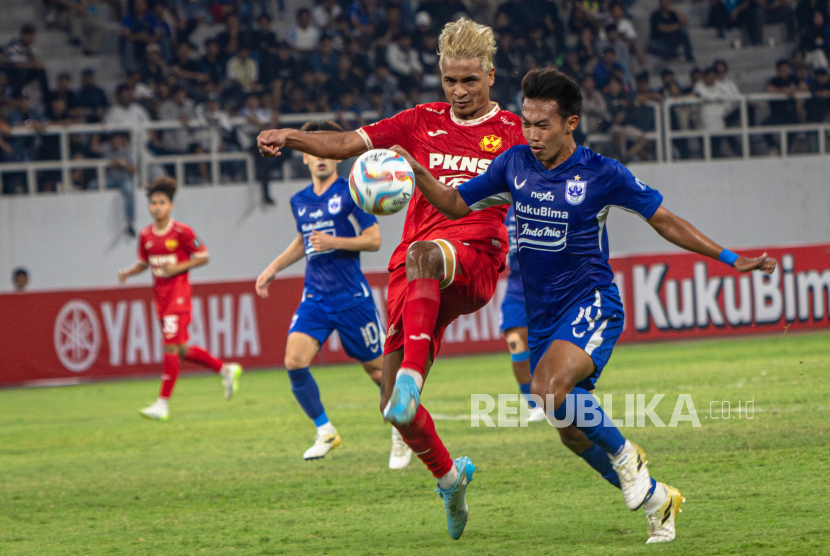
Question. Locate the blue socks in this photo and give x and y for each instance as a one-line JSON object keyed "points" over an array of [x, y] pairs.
{"points": [[304, 388], [599, 429], [599, 460]]}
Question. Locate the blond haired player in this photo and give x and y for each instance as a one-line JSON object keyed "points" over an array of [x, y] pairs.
{"points": [[441, 269]]}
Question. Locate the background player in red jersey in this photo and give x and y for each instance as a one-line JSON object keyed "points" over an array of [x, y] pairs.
{"points": [[441, 269], [171, 249]]}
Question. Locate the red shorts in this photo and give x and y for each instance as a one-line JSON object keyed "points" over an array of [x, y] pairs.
{"points": [[174, 328], [471, 273]]}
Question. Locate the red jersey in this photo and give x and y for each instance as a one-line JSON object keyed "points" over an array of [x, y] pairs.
{"points": [[174, 245], [454, 151]]}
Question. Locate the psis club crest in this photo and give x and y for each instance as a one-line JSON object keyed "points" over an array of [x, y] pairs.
{"points": [[575, 191], [490, 143]]}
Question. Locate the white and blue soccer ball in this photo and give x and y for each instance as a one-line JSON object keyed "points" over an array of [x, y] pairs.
{"points": [[381, 182]]}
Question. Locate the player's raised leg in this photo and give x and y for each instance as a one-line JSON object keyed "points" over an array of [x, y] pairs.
{"points": [[425, 266], [230, 372], [300, 349], [400, 455]]}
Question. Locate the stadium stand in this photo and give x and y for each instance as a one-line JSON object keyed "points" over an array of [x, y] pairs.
{"points": [[209, 74]]}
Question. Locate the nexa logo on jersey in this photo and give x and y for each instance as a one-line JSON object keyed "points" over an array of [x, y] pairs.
{"points": [[316, 214], [542, 195], [462, 163]]}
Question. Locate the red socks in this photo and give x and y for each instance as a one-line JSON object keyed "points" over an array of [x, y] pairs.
{"points": [[171, 373], [422, 439], [420, 313], [202, 357]]}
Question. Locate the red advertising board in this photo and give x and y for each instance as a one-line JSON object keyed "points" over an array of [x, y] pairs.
{"points": [[83, 334]]}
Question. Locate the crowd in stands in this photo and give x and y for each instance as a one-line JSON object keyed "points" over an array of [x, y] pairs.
{"points": [[202, 62]]}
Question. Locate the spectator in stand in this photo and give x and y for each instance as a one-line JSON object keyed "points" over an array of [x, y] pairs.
{"points": [[818, 107], [594, 107], [65, 92], [668, 32], [404, 63], [805, 9], [383, 79], [782, 112], [120, 173], [187, 70], [23, 65], [20, 279], [586, 48], [214, 63], [815, 41], [695, 77], [182, 109], [279, 72], [138, 29], [87, 22], [156, 69], [127, 114], [780, 11], [324, 60], [731, 14], [603, 68], [25, 113], [91, 98], [628, 141], [713, 111], [627, 32], [325, 13], [234, 36], [508, 64], [613, 39], [304, 37], [263, 38], [730, 90], [348, 112], [345, 79], [166, 24], [259, 117], [244, 71], [364, 17], [537, 45], [444, 11], [428, 57]]}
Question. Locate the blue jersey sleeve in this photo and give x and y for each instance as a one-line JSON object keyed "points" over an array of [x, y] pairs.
{"points": [[490, 188], [364, 219], [633, 195]]}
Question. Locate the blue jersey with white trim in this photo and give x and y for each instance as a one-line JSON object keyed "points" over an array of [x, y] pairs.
{"points": [[562, 240], [332, 278], [514, 276]]}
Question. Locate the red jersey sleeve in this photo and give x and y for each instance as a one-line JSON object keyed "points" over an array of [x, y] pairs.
{"points": [[142, 249], [396, 130], [191, 244]]}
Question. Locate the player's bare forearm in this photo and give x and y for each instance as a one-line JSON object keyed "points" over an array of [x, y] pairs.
{"points": [[368, 240], [324, 144], [135, 268], [445, 199], [681, 233], [178, 268], [293, 253]]}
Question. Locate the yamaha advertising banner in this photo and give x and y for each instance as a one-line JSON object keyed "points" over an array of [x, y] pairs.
{"points": [[63, 337]]}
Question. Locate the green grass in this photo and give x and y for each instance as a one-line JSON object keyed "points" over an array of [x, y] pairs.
{"points": [[81, 473]]}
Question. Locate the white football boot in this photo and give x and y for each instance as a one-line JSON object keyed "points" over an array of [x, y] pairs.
{"points": [[323, 444], [230, 378], [400, 455], [157, 411], [635, 481], [661, 520]]}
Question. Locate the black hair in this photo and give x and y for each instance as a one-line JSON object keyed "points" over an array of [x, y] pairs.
{"points": [[782, 62], [164, 184], [121, 88], [552, 84], [18, 271], [321, 125]]}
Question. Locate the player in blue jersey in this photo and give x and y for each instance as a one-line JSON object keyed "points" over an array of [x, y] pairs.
{"points": [[332, 231], [513, 322], [561, 194]]}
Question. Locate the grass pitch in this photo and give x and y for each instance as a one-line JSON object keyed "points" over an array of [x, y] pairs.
{"points": [[81, 473]]}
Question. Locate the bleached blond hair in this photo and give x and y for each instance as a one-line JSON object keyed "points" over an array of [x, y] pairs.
{"points": [[467, 40]]}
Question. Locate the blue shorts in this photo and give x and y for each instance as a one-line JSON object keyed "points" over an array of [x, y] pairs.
{"points": [[360, 329], [512, 313], [594, 324]]}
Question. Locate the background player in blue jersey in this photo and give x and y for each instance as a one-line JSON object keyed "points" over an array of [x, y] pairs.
{"points": [[561, 194], [332, 231], [513, 322]]}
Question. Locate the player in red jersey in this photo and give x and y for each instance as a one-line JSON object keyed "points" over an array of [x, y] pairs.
{"points": [[171, 249], [441, 269]]}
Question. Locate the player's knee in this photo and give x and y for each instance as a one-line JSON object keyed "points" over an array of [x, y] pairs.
{"points": [[424, 259], [293, 362], [182, 350], [515, 342], [551, 389], [170, 349]]}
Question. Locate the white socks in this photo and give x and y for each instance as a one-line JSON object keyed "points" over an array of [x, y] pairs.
{"points": [[326, 429], [449, 479], [416, 376], [656, 499], [162, 402]]}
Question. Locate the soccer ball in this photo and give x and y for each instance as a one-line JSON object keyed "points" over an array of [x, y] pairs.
{"points": [[381, 182]]}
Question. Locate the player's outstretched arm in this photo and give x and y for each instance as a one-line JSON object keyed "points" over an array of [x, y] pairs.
{"points": [[335, 145], [135, 268], [445, 199], [681, 233], [368, 240], [293, 253]]}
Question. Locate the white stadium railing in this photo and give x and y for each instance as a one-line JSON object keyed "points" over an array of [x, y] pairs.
{"points": [[698, 137]]}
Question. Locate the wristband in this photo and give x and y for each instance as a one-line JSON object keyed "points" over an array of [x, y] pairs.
{"points": [[728, 257]]}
